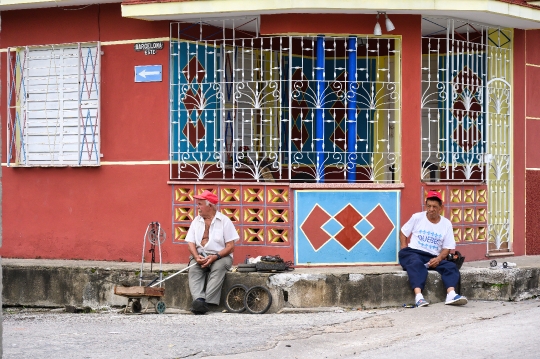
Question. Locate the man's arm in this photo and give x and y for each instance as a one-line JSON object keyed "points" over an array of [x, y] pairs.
{"points": [[402, 240], [434, 262]]}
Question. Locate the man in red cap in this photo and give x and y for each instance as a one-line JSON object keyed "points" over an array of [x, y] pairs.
{"points": [[210, 239], [431, 239]]}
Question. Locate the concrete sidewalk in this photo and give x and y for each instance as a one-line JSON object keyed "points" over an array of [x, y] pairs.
{"points": [[57, 283]]}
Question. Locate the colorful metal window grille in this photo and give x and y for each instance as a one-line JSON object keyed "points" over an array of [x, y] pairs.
{"points": [[466, 114], [310, 109], [53, 105]]}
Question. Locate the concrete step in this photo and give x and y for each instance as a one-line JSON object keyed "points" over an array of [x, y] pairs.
{"points": [[59, 283]]}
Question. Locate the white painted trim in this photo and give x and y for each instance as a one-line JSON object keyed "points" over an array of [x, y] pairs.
{"points": [[108, 163], [134, 41], [133, 163], [219, 8], [105, 43]]}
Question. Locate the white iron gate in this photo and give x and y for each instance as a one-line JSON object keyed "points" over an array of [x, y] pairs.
{"points": [[466, 113]]}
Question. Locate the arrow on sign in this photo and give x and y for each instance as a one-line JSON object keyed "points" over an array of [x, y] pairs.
{"points": [[144, 73]]}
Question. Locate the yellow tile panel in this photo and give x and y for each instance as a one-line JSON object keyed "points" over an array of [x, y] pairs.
{"points": [[481, 234], [468, 215], [253, 195], [468, 234], [481, 196], [455, 195], [469, 196], [481, 214], [278, 215], [231, 212], [254, 215], [183, 214], [183, 194], [457, 234], [455, 215], [230, 195], [278, 235], [180, 233], [278, 195], [253, 234]]}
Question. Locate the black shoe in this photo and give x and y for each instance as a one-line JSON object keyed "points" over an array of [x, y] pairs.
{"points": [[199, 307]]}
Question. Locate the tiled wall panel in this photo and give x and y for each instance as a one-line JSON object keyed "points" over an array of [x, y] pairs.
{"points": [[261, 214], [466, 207]]}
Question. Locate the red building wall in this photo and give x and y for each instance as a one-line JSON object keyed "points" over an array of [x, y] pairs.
{"points": [[532, 150], [95, 213], [518, 235], [102, 213]]}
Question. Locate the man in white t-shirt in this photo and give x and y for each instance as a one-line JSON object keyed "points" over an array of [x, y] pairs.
{"points": [[431, 239], [210, 239]]}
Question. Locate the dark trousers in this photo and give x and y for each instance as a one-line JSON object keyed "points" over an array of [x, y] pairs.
{"points": [[414, 260]]}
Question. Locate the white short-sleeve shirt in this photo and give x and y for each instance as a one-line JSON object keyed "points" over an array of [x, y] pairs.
{"points": [[221, 231], [429, 237]]}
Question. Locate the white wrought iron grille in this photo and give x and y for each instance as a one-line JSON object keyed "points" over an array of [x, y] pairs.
{"points": [[53, 105], [311, 109], [466, 113]]}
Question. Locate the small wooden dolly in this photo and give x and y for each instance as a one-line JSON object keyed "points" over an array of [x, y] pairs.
{"points": [[135, 294]]}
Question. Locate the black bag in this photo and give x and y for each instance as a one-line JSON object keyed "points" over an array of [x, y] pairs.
{"points": [[457, 258], [273, 263]]}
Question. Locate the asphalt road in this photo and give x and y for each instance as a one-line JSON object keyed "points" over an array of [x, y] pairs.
{"points": [[478, 330]]}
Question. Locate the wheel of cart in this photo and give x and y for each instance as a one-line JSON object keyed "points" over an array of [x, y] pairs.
{"points": [[159, 305], [258, 300], [234, 300]]}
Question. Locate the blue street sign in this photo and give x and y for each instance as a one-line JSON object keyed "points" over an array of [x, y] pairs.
{"points": [[148, 73]]}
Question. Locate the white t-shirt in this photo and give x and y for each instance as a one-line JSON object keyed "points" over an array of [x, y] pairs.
{"points": [[221, 231], [429, 237]]}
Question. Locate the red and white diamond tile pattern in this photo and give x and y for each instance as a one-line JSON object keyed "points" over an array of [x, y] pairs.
{"points": [[374, 227]]}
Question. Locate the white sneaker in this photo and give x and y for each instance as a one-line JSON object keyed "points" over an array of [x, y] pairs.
{"points": [[457, 300]]}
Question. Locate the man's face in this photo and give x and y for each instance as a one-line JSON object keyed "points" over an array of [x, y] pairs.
{"points": [[203, 208], [434, 209]]}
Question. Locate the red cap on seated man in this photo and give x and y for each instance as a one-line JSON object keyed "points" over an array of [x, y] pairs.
{"points": [[207, 195]]}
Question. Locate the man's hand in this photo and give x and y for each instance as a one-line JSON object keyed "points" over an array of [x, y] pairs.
{"points": [[434, 262], [208, 261], [200, 259]]}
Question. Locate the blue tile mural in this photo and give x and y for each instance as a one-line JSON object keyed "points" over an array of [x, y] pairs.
{"points": [[346, 226]]}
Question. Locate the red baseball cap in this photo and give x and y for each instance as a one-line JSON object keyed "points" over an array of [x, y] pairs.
{"points": [[434, 194], [207, 195]]}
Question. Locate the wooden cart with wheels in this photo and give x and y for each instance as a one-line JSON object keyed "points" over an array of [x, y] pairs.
{"points": [[156, 237], [135, 294]]}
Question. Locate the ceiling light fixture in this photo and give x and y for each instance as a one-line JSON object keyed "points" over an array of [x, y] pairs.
{"points": [[377, 31], [389, 25]]}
